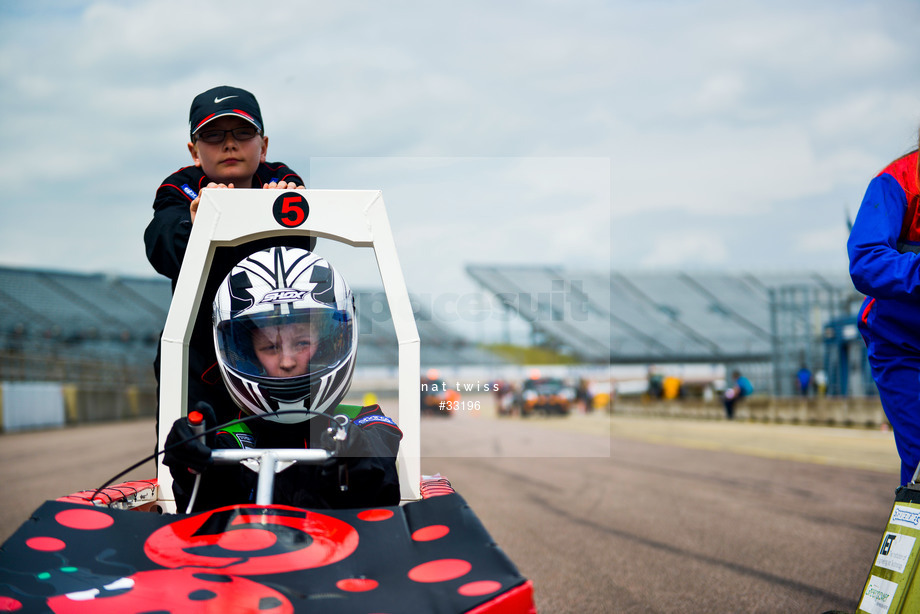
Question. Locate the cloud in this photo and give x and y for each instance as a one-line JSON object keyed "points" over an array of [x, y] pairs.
{"points": [[825, 239], [449, 212], [672, 250], [691, 130]]}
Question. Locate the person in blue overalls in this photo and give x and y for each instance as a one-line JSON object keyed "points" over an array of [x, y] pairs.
{"points": [[883, 248]]}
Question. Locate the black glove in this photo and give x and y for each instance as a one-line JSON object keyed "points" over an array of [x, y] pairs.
{"points": [[360, 475], [184, 449], [345, 441]]}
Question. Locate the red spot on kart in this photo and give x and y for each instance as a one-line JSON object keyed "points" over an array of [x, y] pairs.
{"points": [[357, 585], [476, 589], [87, 520], [441, 570], [45, 544], [8, 604], [375, 515], [245, 540], [430, 533]]}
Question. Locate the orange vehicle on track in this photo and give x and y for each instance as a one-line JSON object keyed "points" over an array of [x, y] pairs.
{"points": [[549, 396]]}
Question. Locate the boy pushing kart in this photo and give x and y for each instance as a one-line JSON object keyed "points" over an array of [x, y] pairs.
{"points": [[228, 148]]}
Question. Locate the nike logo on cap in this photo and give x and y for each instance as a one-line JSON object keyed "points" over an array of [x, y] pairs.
{"points": [[220, 100]]}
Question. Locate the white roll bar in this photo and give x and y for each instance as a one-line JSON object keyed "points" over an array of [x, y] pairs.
{"points": [[231, 217]]}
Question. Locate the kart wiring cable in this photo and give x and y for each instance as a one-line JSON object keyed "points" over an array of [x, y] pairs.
{"points": [[208, 431]]}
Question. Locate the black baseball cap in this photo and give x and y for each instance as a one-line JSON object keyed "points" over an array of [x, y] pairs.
{"points": [[221, 101]]}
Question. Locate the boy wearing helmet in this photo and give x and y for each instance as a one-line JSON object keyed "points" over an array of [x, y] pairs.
{"points": [[286, 339], [285, 351]]}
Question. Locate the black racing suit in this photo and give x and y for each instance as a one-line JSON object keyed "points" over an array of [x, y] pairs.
{"points": [[166, 239], [370, 465]]}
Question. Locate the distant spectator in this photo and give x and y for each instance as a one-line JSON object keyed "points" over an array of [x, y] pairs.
{"points": [[821, 382], [671, 388], [740, 388], [803, 378], [655, 383], [583, 394], [708, 394]]}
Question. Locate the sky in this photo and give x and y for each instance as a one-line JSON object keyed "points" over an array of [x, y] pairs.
{"points": [[710, 134]]}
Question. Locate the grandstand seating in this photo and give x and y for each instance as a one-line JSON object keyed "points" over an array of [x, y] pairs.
{"points": [[62, 317], [596, 316], [656, 316]]}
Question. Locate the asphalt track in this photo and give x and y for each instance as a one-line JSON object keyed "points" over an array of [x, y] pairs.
{"points": [[604, 515]]}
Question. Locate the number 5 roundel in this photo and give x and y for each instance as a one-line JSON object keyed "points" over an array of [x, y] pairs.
{"points": [[291, 209]]}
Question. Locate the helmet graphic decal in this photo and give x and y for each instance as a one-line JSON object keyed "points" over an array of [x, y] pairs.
{"points": [[323, 291], [240, 298]]}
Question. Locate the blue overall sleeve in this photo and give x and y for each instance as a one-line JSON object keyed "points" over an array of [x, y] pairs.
{"points": [[877, 268]]}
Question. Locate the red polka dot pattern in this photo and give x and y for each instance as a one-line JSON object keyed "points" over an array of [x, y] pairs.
{"points": [[441, 570], [476, 589], [8, 604], [87, 520], [375, 515], [45, 544], [430, 533], [356, 585], [442, 554]]}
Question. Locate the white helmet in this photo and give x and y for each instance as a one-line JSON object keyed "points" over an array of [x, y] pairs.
{"points": [[285, 334]]}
